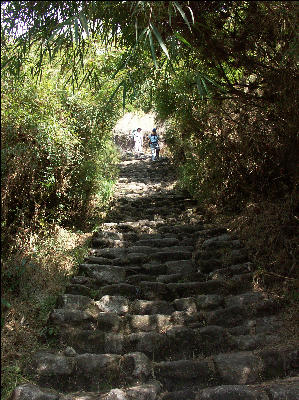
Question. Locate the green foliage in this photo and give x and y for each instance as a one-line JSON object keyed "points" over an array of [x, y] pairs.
{"points": [[57, 152], [13, 376]]}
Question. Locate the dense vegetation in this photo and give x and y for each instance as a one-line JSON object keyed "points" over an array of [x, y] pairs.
{"points": [[221, 75]]}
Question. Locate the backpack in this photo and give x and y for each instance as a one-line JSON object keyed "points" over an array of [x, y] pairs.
{"points": [[153, 139]]}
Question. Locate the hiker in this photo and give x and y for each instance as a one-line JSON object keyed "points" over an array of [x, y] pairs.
{"points": [[153, 140], [138, 141]]}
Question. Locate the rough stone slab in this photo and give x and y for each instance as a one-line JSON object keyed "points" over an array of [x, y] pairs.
{"points": [[239, 368], [179, 267], [114, 304], [248, 299], [215, 339], [97, 364], [154, 290], [67, 316], [158, 242], [184, 370], [287, 389], [141, 249], [110, 253], [108, 235], [148, 391], [187, 304], [186, 394], [217, 240], [97, 260], [184, 318], [144, 307], [136, 279], [252, 342], [33, 392], [104, 273], [155, 268], [105, 242], [228, 317], [145, 323], [280, 362], [78, 290], [231, 392], [170, 278], [136, 365], [181, 228], [132, 258], [266, 324], [85, 281], [196, 288], [172, 255], [122, 289], [109, 322], [47, 364], [232, 270], [209, 301], [71, 301]]}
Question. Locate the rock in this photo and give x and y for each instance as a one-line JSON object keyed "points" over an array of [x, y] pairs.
{"points": [[231, 392], [104, 273], [209, 301], [70, 352], [47, 364], [109, 322], [185, 304], [239, 368], [76, 302], [288, 389], [122, 289], [136, 366], [179, 267], [114, 304], [151, 307], [176, 374], [33, 392]]}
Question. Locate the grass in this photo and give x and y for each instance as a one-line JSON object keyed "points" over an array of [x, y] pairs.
{"points": [[34, 273]]}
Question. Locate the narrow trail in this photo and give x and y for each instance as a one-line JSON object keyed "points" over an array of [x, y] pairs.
{"points": [[164, 308]]}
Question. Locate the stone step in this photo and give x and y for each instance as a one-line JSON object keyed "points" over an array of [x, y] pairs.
{"points": [[146, 391], [153, 290], [209, 306], [109, 322], [70, 371], [237, 368], [280, 389], [167, 342]]}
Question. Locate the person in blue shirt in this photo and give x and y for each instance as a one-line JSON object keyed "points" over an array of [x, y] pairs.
{"points": [[153, 140]]}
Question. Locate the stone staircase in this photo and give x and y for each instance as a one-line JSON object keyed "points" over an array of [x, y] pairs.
{"points": [[164, 308]]}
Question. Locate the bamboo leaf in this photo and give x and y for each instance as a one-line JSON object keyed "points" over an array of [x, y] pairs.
{"points": [[136, 8], [182, 13], [152, 48], [76, 31], [136, 29], [200, 87], [180, 37], [60, 26], [124, 95], [159, 38], [170, 13], [84, 23], [114, 93], [192, 15]]}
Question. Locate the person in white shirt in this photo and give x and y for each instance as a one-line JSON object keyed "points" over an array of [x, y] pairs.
{"points": [[138, 141]]}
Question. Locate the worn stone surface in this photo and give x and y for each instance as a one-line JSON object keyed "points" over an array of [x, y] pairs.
{"points": [[239, 368], [163, 295]]}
